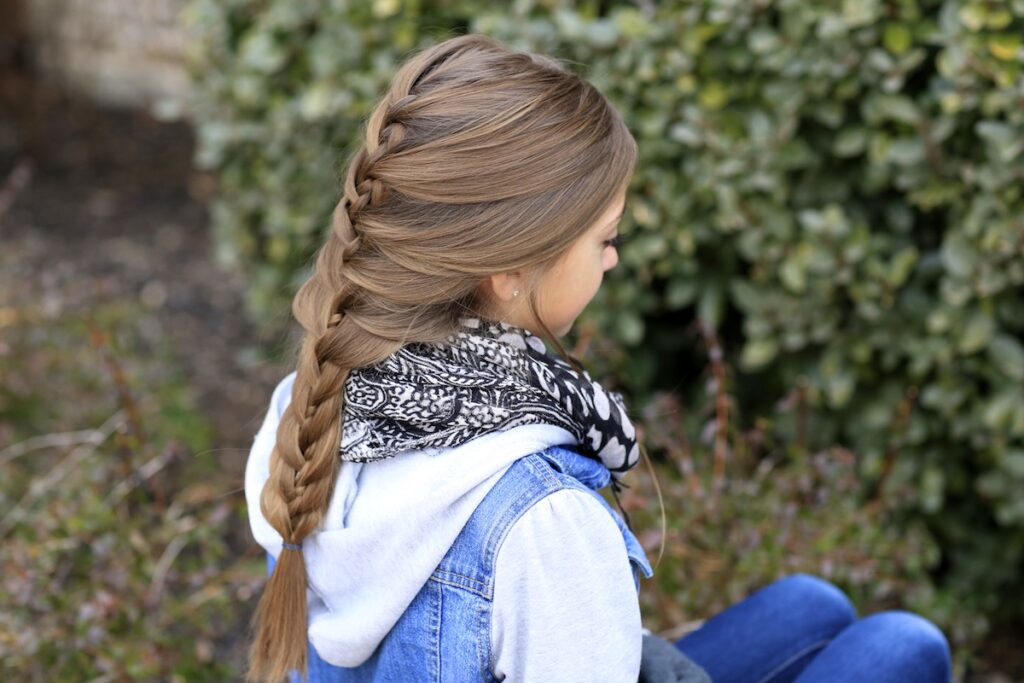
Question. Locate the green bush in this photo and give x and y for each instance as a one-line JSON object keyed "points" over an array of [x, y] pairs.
{"points": [[834, 187]]}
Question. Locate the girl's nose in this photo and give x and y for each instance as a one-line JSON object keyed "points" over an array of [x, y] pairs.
{"points": [[611, 258]]}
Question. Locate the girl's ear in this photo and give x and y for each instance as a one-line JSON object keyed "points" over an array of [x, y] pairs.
{"points": [[503, 286]]}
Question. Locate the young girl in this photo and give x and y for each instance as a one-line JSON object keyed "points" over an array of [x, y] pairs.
{"points": [[426, 481]]}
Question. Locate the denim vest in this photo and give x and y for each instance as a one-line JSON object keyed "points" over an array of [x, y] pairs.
{"points": [[445, 633]]}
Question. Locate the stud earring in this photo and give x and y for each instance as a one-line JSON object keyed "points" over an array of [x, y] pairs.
{"points": [[515, 293]]}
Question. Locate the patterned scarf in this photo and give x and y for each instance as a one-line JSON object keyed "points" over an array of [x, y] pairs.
{"points": [[488, 376]]}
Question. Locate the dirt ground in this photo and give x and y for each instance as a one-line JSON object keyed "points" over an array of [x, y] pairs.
{"points": [[108, 199]]}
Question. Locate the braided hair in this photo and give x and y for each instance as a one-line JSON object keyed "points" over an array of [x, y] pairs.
{"points": [[477, 160]]}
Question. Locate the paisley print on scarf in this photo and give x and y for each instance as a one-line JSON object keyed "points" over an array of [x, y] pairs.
{"points": [[490, 375]]}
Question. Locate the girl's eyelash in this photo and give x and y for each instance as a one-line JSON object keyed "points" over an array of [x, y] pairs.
{"points": [[615, 241]]}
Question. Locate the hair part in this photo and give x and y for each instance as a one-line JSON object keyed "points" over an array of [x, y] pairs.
{"points": [[477, 160]]}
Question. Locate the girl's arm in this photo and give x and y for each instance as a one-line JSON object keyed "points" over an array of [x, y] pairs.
{"points": [[565, 601]]}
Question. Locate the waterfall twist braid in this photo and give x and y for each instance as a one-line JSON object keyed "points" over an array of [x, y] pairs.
{"points": [[336, 341]]}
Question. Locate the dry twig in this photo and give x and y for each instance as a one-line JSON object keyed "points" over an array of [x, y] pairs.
{"points": [[46, 483], [17, 180]]}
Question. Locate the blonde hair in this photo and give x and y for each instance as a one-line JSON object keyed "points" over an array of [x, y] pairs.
{"points": [[477, 160]]}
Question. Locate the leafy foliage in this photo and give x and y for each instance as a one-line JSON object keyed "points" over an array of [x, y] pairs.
{"points": [[835, 188], [745, 506]]}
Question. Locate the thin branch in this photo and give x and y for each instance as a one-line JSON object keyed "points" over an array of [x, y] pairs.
{"points": [[718, 370], [661, 503], [47, 483], [801, 416], [17, 180], [140, 475], [163, 566], [897, 432], [56, 440]]}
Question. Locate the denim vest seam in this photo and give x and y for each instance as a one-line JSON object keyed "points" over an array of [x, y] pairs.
{"points": [[484, 611], [436, 612], [548, 481], [479, 574], [544, 468], [634, 562], [442, 577], [540, 483], [638, 563], [499, 530]]}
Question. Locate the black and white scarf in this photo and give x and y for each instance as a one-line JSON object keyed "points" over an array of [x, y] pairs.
{"points": [[489, 375]]}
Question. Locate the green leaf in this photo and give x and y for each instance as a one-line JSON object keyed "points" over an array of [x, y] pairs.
{"points": [[850, 142], [260, 52], [901, 266], [629, 326], [907, 151], [1013, 463], [686, 134], [997, 133], [860, 12], [713, 96], [602, 33], [900, 108], [1007, 354], [631, 22], [933, 488], [793, 271], [382, 9], [958, 255], [1006, 47], [973, 17], [680, 293], [758, 353], [839, 387], [977, 333], [897, 38], [998, 18], [748, 297]]}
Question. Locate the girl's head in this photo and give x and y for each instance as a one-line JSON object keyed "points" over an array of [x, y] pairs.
{"points": [[565, 287], [488, 184]]}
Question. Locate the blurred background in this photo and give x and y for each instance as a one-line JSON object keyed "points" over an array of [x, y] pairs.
{"points": [[818, 319]]}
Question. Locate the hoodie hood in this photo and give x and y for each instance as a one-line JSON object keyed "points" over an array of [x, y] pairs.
{"points": [[388, 526]]}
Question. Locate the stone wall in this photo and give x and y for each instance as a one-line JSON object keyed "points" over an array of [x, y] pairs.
{"points": [[122, 52]]}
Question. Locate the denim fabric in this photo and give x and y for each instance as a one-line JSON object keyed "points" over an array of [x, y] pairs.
{"points": [[802, 629], [445, 634]]}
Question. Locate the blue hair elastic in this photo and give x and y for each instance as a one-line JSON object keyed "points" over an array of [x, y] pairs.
{"points": [[291, 546]]}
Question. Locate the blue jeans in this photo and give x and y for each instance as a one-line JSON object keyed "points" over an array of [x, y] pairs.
{"points": [[804, 629]]}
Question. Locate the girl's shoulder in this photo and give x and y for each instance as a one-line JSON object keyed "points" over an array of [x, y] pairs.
{"points": [[282, 394]]}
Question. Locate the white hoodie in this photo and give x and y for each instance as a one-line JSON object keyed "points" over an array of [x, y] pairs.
{"points": [[565, 605]]}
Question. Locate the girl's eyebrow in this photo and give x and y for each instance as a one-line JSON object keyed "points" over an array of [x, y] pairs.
{"points": [[617, 218]]}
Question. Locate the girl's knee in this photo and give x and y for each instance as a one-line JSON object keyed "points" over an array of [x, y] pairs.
{"points": [[816, 596], [912, 637], [907, 627]]}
